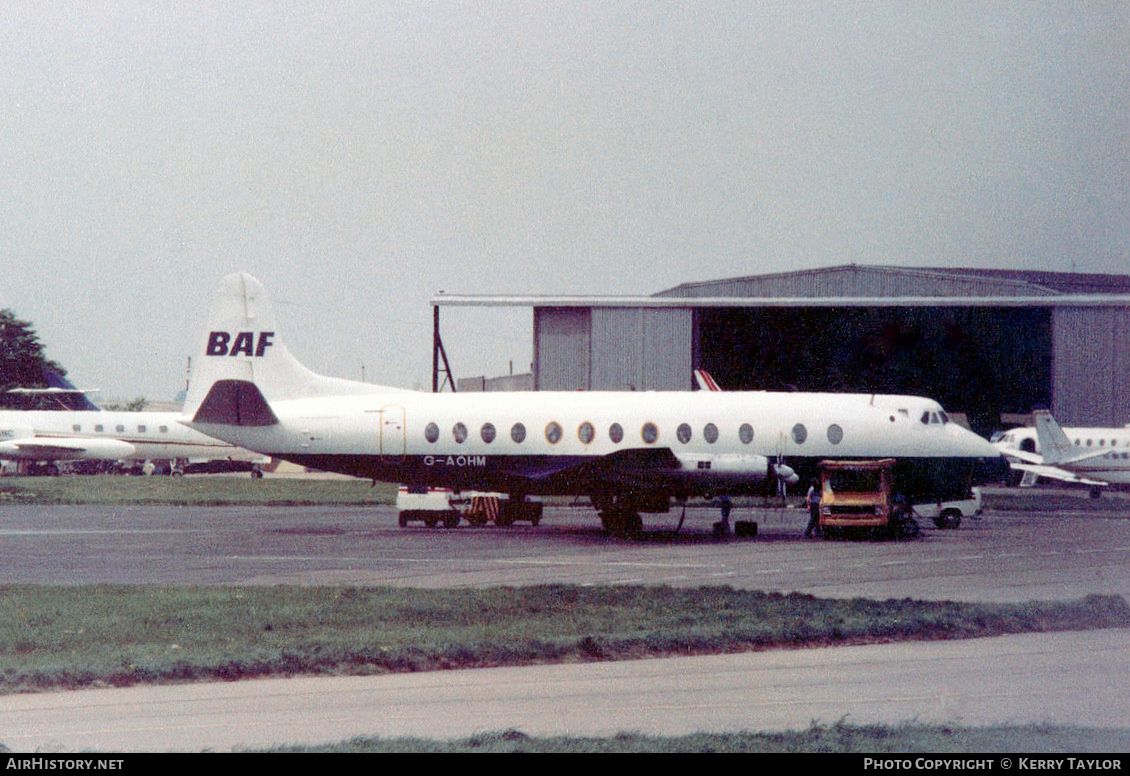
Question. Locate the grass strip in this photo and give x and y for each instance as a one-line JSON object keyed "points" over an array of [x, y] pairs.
{"points": [[838, 737], [71, 637], [192, 490], [1037, 499]]}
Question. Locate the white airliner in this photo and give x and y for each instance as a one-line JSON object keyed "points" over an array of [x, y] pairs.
{"points": [[629, 452], [1096, 457], [149, 439]]}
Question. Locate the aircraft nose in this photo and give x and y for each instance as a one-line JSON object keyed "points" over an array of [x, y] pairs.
{"points": [[991, 466]]}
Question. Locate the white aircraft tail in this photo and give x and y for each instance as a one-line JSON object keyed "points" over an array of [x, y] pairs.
{"points": [[705, 381], [242, 365], [1055, 447]]}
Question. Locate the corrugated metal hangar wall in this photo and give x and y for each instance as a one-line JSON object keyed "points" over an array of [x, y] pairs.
{"points": [[981, 341], [1090, 380], [613, 348]]}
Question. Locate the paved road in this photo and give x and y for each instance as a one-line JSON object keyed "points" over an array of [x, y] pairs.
{"points": [[1002, 557], [1066, 678], [1076, 678]]}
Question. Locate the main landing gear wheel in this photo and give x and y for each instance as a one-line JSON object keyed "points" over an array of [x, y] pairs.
{"points": [[905, 528], [624, 524], [950, 518], [515, 509]]}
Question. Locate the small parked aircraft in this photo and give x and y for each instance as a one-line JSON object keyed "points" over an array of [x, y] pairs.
{"points": [[1096, 456], [153, 442]]}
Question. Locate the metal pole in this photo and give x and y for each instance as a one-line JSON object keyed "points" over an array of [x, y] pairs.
{"points": [[435, 349]]}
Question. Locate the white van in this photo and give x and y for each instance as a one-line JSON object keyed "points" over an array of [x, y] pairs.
{"points": [[948, 514]]}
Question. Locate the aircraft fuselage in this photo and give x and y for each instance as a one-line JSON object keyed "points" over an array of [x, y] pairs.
{"points": [[58, 435], [678, 443]]}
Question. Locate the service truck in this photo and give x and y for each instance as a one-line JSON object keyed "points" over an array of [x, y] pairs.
{"points": [[857, 498]]}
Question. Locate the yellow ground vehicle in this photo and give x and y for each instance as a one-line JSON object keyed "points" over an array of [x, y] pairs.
{"points": [[858, 497]]}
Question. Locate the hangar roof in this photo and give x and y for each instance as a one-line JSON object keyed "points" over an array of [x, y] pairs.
{"points": [[853, 285], [1060, 282], [852, 280]]}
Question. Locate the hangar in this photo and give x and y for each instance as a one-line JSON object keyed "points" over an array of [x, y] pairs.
{"points": [[983, 342]]}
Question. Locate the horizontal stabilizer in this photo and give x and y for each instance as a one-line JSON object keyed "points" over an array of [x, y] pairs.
{"points": [[1055, 473], [235, 403]]}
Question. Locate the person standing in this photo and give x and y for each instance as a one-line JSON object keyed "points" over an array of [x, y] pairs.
{"points": [[722, 527], [812, 499]]}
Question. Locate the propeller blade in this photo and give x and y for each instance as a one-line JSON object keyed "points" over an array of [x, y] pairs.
{"points": [[786, 473]]}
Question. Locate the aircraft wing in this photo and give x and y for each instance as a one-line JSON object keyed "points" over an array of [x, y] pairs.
{"points": [[66, 449], [1054, 473], [1087, 456], [1024, 457], [1037, 459], [637, 466]]}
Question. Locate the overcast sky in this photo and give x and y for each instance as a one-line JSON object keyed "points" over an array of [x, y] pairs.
{"points": [[360, 157]]}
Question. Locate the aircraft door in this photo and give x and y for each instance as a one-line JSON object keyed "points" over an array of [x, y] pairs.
{"points": [[316, 434], [393, 440]]}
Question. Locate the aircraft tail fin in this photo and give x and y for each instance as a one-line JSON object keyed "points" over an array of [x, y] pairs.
{"points": [[76, 397], [1055, 447], [59, 391], [704, 381], [242, 365]]}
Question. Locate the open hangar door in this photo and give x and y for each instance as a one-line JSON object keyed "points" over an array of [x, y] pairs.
{"points": [[977, 361]]}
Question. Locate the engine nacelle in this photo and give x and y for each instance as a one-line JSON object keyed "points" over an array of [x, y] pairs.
{"points": [[20, 442], [727, 468]]}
